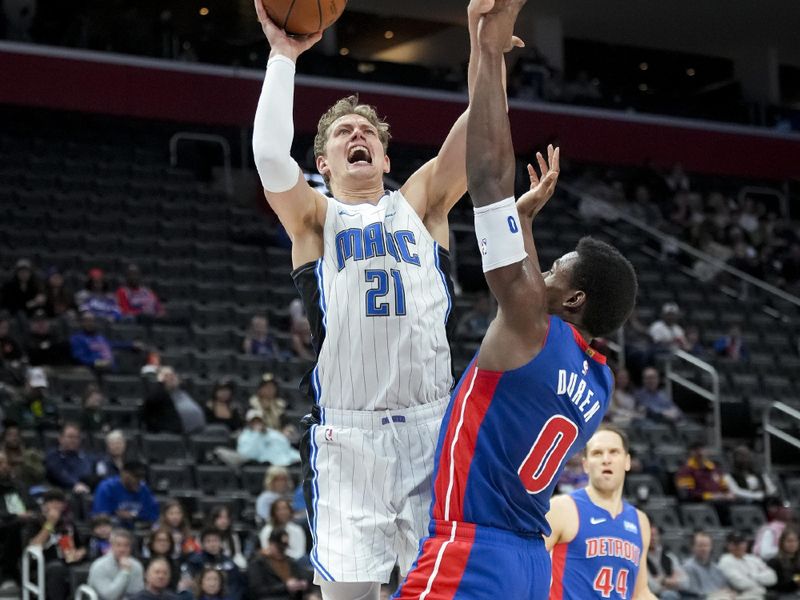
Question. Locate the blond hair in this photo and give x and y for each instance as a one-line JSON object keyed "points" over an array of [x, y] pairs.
{"points": [[343, 107]]}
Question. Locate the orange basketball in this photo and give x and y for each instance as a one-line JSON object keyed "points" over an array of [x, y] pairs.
{"points": [[304, 16]]}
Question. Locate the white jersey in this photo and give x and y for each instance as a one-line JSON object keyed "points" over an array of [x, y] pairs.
{"points": [[379, 300]]}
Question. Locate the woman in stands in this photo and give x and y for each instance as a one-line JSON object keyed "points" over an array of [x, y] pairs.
{"points": [[220, 409], [280, 515], [787, 564], [161, 545], [211, 585], [220, 519], [267, 399], [174, 520]]}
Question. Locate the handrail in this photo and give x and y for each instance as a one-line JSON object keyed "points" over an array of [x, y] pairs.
{"points": [[712, 396], [85, 592], [770, 429], [691, 250], [211, 139], [28, 587]]}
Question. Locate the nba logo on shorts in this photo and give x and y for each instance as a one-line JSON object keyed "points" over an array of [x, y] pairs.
{"points": [[329, 434], [483, 246]]}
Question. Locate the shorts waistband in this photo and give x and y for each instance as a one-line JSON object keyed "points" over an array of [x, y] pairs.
{"points": [[378, 419], [469, 532]]}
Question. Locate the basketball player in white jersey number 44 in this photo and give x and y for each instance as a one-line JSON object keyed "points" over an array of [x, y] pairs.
{"points": [[372, 269]]}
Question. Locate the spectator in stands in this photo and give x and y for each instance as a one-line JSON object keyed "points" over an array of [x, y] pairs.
{"points": [[779, 513], [267, 399], [666, 333], [61, 544], [693, 341], [786, 563], [100, 536], [16, 511], [91, 348], [126, 498], [677, 180], [68, 466], [706, 579], [473, 325], [161, 546], [302, 345], [667, 579], [35, 409], [745, 482], [280, 517], [11, 354], [173, 519], [43, 346], [27, 464], [221, 410], [277, 484], [258, 341], [732, 346], [211, 585], [111, 463], [261, 444], [137, 300], [272, 574], [156, 583], [117, 575], [746, 573], [700, 479], [212, 556], [623, 410], [220, 519], [22, 293], [96, 298], [60, 301], [92, 418], [654, 400], [169, 408]]}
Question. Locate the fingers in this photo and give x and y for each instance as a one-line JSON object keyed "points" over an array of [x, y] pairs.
{"points": [[517, 42], [556, 162], [261, 11], [533, 176], [542, 164]]}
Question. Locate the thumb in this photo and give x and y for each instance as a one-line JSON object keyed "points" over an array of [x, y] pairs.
{"points": [[517, 42]]}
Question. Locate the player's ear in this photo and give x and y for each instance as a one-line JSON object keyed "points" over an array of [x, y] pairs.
{"points": [[575, 301], [627, 462], [387, 165], [584, 464], [322, 165]]}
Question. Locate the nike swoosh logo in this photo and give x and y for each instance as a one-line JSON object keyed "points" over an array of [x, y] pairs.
{"points": [[594, 521]]}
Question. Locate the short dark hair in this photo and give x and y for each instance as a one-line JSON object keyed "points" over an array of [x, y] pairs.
{"points": [[210, 531], [54, 495], [609, 282], [70, 425], [135, 467], [613, 429]]}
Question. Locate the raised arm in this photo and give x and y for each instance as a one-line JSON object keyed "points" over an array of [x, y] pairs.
{"points": [[298, 206]]}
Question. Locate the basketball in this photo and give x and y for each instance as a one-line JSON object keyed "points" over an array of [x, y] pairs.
{"points": [[301, 17]]}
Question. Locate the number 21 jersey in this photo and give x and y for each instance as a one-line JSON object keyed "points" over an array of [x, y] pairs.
{"points": [[378, 301], [506, 435]]}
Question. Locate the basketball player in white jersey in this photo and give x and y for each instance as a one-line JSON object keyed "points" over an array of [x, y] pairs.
{"points": [[372, 268]]}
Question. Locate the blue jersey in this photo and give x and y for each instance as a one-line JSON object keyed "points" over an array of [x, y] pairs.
{"points": [[603, 559], [507, 435]]}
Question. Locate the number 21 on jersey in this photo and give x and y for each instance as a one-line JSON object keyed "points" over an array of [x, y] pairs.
{"points": [[377, 306], [547, 453]]}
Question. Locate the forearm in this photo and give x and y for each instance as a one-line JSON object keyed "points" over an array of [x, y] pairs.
{"points": [[273, 128], [114, 588], [490, 154]]}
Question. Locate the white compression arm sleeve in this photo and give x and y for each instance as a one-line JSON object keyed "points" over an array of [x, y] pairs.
{"points": [[273, 129]]}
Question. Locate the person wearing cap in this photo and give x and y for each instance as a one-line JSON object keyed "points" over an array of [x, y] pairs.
{"points": [[666, 333], [23, 292], [43, 346], [267, 399], [136, 300], [259, 443], [746, 573], [220, 409], [34, 409], [126, 497], [60, 541], [96, 297]]}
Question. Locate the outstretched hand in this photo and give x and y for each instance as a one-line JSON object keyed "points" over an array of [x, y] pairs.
{"points": [[496, 26], [542, 187], [280, 42]]}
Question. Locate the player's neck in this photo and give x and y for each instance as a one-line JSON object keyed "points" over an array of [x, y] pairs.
{"points": [[350, 194], [610, 501]]}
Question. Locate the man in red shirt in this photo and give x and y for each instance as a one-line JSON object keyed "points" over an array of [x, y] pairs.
{"points": [[137, 300]]}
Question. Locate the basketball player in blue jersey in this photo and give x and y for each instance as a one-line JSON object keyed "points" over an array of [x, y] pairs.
{"points": [[536, 391], [598, 541], [372, 268]]}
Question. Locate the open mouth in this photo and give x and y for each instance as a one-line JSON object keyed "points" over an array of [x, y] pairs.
{"points": [[359, 154], [608, 472]]}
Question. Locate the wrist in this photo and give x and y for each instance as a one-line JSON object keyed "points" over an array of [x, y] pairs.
{"points": [[283, 52]]}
